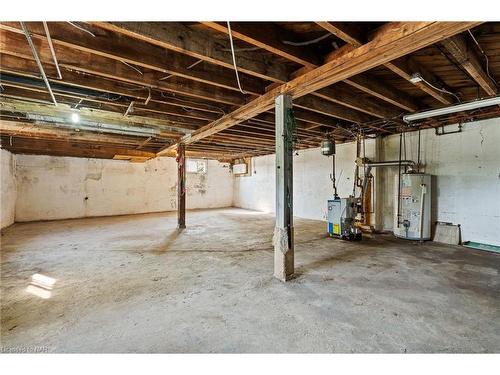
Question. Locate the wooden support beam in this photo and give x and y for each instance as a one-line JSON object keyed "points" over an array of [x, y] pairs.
{"points": [[461, 50], [348, 32], [396, 40], [68, 40], [353, 36], [268, 37], [283, 238], [68, 147], [389, 94], [181, 186], [406, 67], [50, 131], [111, 67], [260, 36], [327, 108], [342, 95], [180, 38], [64, 111]]}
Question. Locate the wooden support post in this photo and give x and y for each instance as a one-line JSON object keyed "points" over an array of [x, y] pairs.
{"points": [[181, 186], [283, 232]]}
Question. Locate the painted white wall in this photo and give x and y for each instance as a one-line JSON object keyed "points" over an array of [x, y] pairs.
{"points": [[466, 186], [466, 182], [311, 179], [8, 190], [65, 187]]}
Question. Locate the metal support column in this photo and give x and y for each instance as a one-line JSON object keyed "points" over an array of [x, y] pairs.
{"points": [[181, 186], [283, 232]]}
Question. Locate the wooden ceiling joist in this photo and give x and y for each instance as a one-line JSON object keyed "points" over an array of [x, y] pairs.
{"points": [[268, 37], [461, 50], [394, 41], [68, 40], [352, 36], [180, 38], [257, 34], [102, 65], [181, 79]]}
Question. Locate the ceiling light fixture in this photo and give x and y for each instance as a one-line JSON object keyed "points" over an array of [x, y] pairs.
{"points": [[453, 109], [416, 78], [75, 117]]}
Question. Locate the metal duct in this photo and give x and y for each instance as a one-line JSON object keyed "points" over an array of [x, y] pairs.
{"points": [[58, 87]]}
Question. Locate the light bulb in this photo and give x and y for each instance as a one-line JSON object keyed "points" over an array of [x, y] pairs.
{"points": [[75, 117]]}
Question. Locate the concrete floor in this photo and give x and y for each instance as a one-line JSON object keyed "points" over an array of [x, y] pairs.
{"points": [[135, 284]]}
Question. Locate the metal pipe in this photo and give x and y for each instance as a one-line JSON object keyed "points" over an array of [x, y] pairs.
{"points": [[391, 163], [94, 126], [52, 51], [38, 62], [399, 181], [422, 207]]}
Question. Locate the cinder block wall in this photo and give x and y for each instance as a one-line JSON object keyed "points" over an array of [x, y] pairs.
{"points": [[466, 185], [311, 181], [8, 191], [51, 188]]}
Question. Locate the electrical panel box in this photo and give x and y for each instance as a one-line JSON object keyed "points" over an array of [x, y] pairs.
{"points": [[342, 218], [413, 219]]}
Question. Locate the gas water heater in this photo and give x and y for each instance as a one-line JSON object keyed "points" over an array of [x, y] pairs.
{"points": [[412, 206]]}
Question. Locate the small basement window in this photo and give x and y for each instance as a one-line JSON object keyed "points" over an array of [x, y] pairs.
{"points": [[198, 166], [240, 169]]}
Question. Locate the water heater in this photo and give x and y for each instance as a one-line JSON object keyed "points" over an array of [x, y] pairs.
{"points": [[412, 206]]}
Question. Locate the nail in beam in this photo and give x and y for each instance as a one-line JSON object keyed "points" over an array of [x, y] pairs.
{"points": [[181, 186], [283, 232]]}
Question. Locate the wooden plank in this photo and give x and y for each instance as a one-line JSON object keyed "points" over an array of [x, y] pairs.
{"points": [[105, 67], [93, 115], [68, 40], [27, 68], [326, 108], [405, 68], [181, 186], [349, 33], [269, 37], [259, 35], [396, 40], [27, 129], [461, 50], [181, 38], [389, 94], [39, 145], [14, 44], [353, 37]]}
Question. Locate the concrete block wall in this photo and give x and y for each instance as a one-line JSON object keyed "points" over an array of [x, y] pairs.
{"points": [[466, 182], [8, 191], [51, 188], [465, 166], [311, 181]]}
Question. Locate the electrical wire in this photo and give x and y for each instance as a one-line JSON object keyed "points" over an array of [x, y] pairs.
{"points": [[244, 49], [81, 28], [439, 89], [234, 57], [52, 51], [133, 67], [485, 57], [306, 43], [458, 66], [189, 67], [194, 103]]}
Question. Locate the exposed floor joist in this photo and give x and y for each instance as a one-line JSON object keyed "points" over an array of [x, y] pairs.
{"points": [[392, 42]]}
